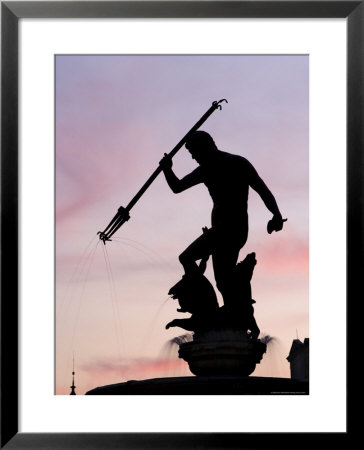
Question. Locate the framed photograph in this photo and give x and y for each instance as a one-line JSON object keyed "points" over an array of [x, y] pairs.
{"points": [[130, 270], [93, 94]]}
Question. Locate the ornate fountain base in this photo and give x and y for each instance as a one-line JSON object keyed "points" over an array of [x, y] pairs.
{"points": [[222, 354], [222, 362]]}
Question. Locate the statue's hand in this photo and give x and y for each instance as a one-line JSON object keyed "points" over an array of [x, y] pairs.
{"points": [[166, 162], [276, 223]]}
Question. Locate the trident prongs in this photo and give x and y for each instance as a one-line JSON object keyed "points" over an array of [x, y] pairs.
{"points": [[103, 237], [121, 217]]}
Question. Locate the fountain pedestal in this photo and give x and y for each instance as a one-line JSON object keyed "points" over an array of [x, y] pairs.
{"points": [[221, 355]]}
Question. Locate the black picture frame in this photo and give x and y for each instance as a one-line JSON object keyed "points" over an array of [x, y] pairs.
{"points": [[11, 12]]}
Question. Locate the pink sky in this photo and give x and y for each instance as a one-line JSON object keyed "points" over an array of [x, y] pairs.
{"points": [[115, 117]]}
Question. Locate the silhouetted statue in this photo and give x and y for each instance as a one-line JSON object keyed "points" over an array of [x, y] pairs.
{"points": [[228, 178]]}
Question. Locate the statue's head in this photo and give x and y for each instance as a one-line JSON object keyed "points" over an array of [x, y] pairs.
{"points": [[201, 145]]}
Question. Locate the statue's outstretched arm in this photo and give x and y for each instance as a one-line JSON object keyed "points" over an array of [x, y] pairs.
{"points": [[275, 224], [268, 198], [179, 185]]}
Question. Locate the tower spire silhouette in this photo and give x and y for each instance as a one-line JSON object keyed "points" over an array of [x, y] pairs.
{"points": [[73, 387]]}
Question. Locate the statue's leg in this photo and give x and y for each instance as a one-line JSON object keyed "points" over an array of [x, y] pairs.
{"points": [[224, 258], [224, 261], [200, 248]]}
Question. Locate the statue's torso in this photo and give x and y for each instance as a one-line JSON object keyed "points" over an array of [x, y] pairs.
{"points": [[227, 179]]}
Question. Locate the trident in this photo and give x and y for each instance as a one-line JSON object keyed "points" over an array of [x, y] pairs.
{"points": [[123, 215]]}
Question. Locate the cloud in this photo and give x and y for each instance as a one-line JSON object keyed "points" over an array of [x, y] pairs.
{"points": [[283, 256], [141, 367], [100, 373]]}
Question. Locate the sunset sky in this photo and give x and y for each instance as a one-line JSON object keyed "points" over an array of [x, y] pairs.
{"points": [[115, 117]]}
